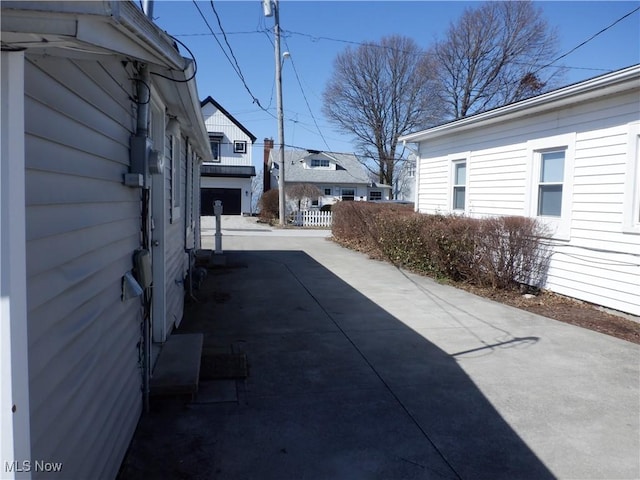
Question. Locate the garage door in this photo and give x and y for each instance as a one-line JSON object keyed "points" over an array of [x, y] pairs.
{"points": [[231, 199]]}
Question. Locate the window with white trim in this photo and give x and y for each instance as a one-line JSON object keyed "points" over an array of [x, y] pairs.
{"points": [[173, 154], [214, 143], [550, 182], [458, 195], [375, 195], [239, 146], [631, 206], [320, 162], [411, 168], [348, 194], [327, 191]]}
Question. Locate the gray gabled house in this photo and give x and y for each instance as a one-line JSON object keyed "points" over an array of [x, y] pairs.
{"points": [[338, 176]]}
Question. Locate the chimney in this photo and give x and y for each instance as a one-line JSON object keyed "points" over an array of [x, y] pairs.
{"points": [[266, 174]]}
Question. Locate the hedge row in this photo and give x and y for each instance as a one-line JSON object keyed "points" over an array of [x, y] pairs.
{"points": [[500, 252]]}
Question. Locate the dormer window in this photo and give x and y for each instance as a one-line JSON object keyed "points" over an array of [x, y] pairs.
{"points": [[320, 162]]}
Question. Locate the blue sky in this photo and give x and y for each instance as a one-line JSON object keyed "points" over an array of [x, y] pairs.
{"points": [[314, 32]]}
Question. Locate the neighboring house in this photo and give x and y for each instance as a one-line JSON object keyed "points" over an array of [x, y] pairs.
{"points": [[567, 157], [338, 176], [228, 176], [102, 139], [404, 184]]}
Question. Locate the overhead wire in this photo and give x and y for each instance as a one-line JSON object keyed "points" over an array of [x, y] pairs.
{"points": [[195, 65], [590, 38], [304, 95], [234, 66]]}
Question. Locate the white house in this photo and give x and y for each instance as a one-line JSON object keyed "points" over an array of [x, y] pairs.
{"points": [[102, 138], [568, 157], [228, 176], [338, 176], [405, 182]]}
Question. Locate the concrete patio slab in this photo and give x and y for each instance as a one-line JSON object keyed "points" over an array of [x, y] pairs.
{"points": [[360, 370]]}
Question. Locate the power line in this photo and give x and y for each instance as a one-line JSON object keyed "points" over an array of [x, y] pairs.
{"points": [[235, 67], [315, 38], [304, 95], [590, 38]]}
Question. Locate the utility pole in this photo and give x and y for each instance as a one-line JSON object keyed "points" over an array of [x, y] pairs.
{"points": [[267, 4]]}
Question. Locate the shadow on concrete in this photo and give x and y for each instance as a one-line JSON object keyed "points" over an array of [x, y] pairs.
{"points": [[337, 389]]}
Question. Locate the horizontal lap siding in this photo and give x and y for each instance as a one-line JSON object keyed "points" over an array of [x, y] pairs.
{"points": [[496, 181], [216, 121], [600, 264], [82, 228], [174, 247]]}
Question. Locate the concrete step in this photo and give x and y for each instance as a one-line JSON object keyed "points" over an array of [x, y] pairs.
{"points": [[177, 370]]}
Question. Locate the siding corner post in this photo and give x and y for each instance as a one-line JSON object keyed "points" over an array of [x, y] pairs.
{"points": [[14, 393]]}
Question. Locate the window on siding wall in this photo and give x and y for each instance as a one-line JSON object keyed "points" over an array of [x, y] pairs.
{"points": [[375, 195], [215, 148], [239, 146], [348, 194], [327, 191], [459, 185], [173, 154], [411, 168], [631, 206], [550, 183]]}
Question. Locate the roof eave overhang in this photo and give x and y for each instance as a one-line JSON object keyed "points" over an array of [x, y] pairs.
{"points": [[605, 85], [103, 27]]}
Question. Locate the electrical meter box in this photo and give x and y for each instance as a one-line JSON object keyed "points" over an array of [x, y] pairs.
{"points": [[142, 263]]}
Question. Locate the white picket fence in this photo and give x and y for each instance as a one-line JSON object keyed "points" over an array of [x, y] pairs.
{"points": [[311, 218]]}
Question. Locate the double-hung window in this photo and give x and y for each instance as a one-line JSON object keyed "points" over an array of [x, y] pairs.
{"points": [[550, 183], [459, 185]]}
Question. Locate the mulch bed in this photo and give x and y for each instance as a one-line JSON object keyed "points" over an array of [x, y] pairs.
{"points": [[568, 310]]}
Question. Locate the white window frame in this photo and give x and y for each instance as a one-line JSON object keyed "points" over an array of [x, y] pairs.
{"points": [[320, 163], [560, 227], [631, 205], [540, 154], [411, 168], [215, 141], [342, 190], [239, 146], [378, 194], [174, 151], [454, 185]]}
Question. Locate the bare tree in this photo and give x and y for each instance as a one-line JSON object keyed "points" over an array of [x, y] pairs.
{"points": [[495, 54], [378, 92], [302, 191]]}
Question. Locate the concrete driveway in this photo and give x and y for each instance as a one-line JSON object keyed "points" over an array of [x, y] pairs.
{"points": [[358, 370]]}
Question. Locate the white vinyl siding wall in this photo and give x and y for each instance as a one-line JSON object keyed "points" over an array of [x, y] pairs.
{"points": [[596, 261], [82, 227], [216, 121], [176, 262]]}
